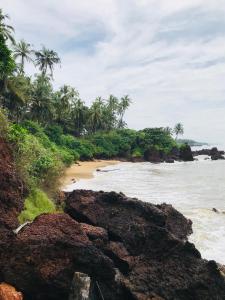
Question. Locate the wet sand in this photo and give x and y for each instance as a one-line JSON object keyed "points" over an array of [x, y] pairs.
{"points": [[84, 170]]}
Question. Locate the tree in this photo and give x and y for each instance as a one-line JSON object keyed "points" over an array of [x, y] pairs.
{"points": [[16, 96], [95, 119], [123, 106], [79, 115], [41, 108], [7, 64], [46, 59], [23, 51], [6, 30], [178, 129]]}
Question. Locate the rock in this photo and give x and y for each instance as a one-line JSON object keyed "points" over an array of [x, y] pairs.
{"points": [[48, 252], [12, 193], [153, 155], [136, 159], [169, 160], [12, 190], [7, 292], [214, 153], [186, 153], [148, 246]]}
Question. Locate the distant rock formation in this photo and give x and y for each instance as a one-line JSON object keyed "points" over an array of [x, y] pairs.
{"points": [[214, 153]]}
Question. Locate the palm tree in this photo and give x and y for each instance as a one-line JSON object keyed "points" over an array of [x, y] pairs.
{"points": [[123, 106], [178, 129], [79, 112], [6, 30], [96, 114], [23, 51], [46, 59]]}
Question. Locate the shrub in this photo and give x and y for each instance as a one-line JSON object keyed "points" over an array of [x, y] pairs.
{"points": [[4, 124], [35, 204]]}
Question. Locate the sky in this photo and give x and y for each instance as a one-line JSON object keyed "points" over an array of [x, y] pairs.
{"points": [[167, 55]]}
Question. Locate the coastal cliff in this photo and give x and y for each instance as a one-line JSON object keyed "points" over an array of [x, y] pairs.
{"points": [[129, 249]]}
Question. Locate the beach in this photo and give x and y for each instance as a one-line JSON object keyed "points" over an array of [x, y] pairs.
{"points": [[84, 170]]}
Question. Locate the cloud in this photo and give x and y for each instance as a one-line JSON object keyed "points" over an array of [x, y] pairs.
{"points": [[169, 56]]}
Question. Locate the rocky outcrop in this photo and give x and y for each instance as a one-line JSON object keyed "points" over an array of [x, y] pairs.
{"points": [[152, 154], [129, 250], [186, 153], [148, 246], [214, 153], [12, 193]]}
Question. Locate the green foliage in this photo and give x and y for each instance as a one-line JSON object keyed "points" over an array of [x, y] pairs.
{"points": [[38, 161], [35, 204], [4, 124], [7, 64]]}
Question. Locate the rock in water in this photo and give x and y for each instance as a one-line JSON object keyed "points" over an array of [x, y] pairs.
{"points": [[7, 292], [186, 153]]}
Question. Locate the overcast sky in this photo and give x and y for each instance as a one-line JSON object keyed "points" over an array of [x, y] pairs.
{"points": [[168, 55]]}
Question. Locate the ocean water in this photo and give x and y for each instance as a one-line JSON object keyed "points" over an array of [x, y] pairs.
{"points": [[194, 188]]}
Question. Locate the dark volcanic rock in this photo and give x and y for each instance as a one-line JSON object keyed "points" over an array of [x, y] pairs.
{"points": [[214, 153], [153, 155], [186, 153], [46, 254], [151, 240]]}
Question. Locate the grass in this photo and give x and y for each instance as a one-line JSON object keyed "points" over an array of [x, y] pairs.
{"points": [[35, 204]]}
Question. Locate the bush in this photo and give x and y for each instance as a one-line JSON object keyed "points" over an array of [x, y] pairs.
{"points": [[4, 124], [35, 204]]}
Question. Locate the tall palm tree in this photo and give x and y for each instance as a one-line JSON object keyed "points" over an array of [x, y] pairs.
{"points": [[23, 51], [123, 106], [79, 112], [46, 59], [178, 129], [6, 30], [95, 114]]}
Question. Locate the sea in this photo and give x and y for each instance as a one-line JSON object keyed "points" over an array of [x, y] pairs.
{"points": [[194, 188]]}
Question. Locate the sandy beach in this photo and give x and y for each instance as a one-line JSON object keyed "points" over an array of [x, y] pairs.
{"points": [[84, 170]]}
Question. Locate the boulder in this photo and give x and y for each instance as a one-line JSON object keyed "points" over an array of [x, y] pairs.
{"points": [[216, 154], [8, 292], [152, 154], [149, 248], [186, 153]]}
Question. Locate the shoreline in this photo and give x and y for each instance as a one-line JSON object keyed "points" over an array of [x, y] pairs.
{"points": [[83, 170]]}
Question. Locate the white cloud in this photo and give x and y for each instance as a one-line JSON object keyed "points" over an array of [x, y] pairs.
{"points": [[169, 56]]}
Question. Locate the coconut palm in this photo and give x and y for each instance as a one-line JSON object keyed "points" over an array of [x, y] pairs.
{"points": [[23, 51], [123, 106], [6, 30], [96, 115], [178, 129], [46, 59]]}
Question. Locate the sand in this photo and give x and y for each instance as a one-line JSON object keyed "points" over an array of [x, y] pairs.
{"points": [[84, 170]]}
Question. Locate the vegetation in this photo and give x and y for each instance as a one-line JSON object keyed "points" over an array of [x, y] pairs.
{"points": [[37, 203], [178, 129], [50, 129]]}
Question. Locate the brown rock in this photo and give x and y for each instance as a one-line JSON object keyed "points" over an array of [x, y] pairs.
{"points": [[7, 292]]}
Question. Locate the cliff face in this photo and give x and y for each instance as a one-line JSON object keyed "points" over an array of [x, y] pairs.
{"points": [[129, 249], [12, 193]]}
